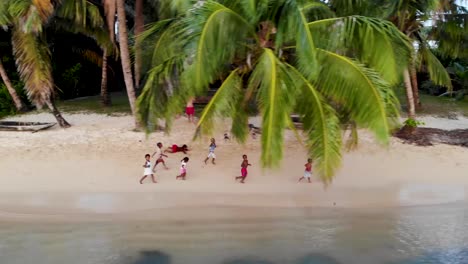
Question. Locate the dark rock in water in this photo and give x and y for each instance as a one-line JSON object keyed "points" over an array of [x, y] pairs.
{"points": [[424, 136]]}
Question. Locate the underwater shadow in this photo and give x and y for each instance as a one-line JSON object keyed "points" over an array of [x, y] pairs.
{"points": [[153, 257], [247, 260], [317, 258]]}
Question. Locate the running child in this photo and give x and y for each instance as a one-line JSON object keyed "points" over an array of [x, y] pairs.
{"points": [[159, 156], [183, 169], [245, 163], [211, 154], [308, 171], [147, 172]]}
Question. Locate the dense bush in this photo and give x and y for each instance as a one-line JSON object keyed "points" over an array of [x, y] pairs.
{"points": [[6, 104], [7, 107]]}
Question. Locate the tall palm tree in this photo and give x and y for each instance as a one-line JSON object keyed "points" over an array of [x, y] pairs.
{"points": [[113, 7], [27, 20], [286, 56], [20, 106]]}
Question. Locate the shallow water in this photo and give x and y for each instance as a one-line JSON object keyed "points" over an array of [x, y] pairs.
{"points": [[408, 235]]}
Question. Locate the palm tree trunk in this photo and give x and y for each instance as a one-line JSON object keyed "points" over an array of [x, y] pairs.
{"points": [[20, 106], [139, 27], [105, 96], [409, 95], [60, 120], [414, 85], [125, 56]]}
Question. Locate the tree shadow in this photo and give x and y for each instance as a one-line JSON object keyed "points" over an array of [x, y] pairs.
{"points": [[247, 260], [317, 258], [153, 257]]}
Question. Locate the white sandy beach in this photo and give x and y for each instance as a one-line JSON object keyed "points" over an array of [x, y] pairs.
{"points": [[93, 169]]}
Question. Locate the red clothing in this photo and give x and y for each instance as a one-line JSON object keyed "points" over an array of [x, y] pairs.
{"points": [[244, 172], [190, 110], [174, 148]]}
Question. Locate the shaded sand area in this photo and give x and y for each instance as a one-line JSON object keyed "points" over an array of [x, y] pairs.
{"points": [[91, 171]]}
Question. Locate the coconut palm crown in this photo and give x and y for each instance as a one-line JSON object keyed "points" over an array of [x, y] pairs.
{"points": [[286, 56]]}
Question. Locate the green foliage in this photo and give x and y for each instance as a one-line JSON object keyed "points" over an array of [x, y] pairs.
{"points": [[410, 122], [7, 107], [71, 76], [286, 56]]}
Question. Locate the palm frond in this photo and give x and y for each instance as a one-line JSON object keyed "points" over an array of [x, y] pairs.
{"points": [[375, 42], [222, 103], [275, 98], [157, 101], [89, 55], [45, 8], [254, 9], [82, 12], [216, 29], [437, 71], [305, 48], [33, 61], [99, 34], [321, 125], [358, 89]]}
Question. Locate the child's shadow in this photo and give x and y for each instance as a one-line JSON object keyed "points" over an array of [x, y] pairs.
{"points": [[153, 257]]}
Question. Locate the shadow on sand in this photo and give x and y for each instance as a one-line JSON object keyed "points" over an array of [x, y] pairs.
{"points": [[153, 257]]}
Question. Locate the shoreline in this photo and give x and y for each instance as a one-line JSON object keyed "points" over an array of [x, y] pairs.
{"points": [[93, 169]]}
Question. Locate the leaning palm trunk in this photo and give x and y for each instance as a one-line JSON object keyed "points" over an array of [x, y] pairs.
{"points": [[105, 96], [125, 56], [58, 116], [139, 27], [34, 66], [16, 99], [414, 85], [409, 95]]}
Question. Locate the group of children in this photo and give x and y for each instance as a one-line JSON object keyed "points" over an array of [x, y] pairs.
{"points": [[148, 172]]}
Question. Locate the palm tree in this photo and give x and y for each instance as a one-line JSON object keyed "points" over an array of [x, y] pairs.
{"points": [[410, 18], [113, 7], [20, 106], [27, 21], [88, 21], [286, 56]]}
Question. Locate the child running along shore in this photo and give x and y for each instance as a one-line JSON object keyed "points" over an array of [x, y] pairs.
{"points": [[183, 169], [308, 171], [211, 153], [159, 156], [147, 171], [245, 163]]}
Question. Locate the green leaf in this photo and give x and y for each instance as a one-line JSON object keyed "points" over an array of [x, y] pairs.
{"points": [[375, 42], [358, 89], [217, 28], [275, 98], [437, 71], [321, 125], [222, 103]]}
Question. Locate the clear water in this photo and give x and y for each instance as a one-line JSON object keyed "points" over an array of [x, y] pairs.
{"points": [[411, 235]]}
